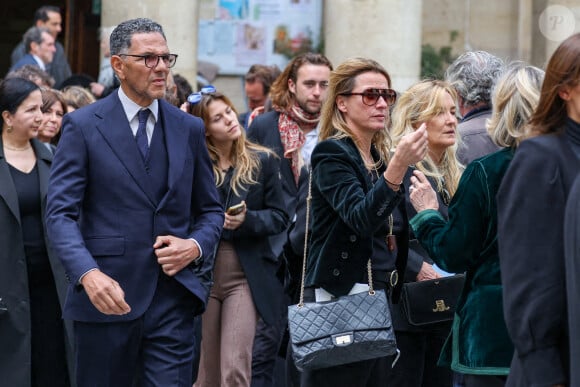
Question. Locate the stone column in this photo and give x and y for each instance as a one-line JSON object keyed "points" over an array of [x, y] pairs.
{"points": [[525, 13], [388, 31], [179, 19]]}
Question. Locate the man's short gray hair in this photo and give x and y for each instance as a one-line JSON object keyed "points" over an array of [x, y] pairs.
{"points": [[33, 35], [121, 36], [473, 75]]}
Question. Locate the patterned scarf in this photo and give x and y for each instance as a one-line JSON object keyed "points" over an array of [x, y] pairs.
{"points": [[292, 136]]}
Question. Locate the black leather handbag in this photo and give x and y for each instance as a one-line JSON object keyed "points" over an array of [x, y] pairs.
{"points": [[431, 301], [345, 330]]}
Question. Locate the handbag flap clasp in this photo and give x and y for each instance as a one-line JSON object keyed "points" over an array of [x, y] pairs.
{"points": [[343, 339]]}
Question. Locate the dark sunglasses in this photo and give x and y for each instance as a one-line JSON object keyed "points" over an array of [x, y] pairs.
{"points": [[371, 96], [194, 98]]}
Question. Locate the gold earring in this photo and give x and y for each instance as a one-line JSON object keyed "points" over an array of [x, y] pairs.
{"points": [[9, 129]]}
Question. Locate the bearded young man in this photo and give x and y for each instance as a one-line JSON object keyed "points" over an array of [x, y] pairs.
{"points": [[290, 130]]}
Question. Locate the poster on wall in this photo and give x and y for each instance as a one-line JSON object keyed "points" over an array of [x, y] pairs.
{"points": [[245, 32]]}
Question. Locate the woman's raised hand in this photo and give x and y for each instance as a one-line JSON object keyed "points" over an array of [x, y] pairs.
{"points": [[413, 147]]}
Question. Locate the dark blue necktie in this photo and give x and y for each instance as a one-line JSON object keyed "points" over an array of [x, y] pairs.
{"points": [[141, 136]]}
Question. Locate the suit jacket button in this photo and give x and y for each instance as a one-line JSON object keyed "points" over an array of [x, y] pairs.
{"points": [[344, 255], [336, 272], [352, 238]]}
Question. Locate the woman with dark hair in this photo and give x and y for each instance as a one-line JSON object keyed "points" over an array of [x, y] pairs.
{"points": [[531, 207], [245, 283], [53, 109], [32, 281]]}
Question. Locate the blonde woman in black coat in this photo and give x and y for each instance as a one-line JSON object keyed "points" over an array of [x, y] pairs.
{"points": [[34, 344], [245, 283]]}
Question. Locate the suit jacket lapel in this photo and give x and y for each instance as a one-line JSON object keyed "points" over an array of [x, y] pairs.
{"points": [[7, 189], [43, 162], [113, 125], [285, 164], [176, 141]]}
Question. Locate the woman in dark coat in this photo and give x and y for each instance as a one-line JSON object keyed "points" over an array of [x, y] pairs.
{"points": [[531, 207], [356, 186], [431, 102], [34, 344], [245, 283], [572, 251]]}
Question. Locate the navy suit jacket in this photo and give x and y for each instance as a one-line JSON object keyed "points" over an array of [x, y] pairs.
{"points": [[102, 213], [27, 59], [59, 68]]}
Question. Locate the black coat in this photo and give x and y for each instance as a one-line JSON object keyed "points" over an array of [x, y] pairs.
{"points": [[15, 325], [531, 207], [266, 217], [572, 254], [347, 209], [264, 131]]}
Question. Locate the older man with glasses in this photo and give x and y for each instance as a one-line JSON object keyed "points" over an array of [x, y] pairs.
{"points": [[134, 215], [48, 16]]}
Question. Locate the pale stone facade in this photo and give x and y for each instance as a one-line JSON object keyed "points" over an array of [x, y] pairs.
{"points": [[179, 21], [388, 31]]}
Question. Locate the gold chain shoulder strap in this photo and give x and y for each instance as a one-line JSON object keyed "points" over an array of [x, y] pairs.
{"points": [[303, 279]]}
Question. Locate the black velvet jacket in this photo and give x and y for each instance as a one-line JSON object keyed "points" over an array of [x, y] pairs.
{"points": [[346, 210]]}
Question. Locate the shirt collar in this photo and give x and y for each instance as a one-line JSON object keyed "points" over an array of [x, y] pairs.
{"points": [[131, 108], [39, 61]]}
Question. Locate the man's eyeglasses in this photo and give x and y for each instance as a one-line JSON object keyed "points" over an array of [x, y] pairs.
{"points": [[194, 98], [151, 61], [371, 96]]}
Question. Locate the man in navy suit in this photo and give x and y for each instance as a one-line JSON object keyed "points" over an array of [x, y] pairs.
{"points": [[40, 48], [134, 215], [48, 16]]}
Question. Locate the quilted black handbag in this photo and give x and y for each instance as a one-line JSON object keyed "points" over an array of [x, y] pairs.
{"points": [[345, 330], [431, 301]]}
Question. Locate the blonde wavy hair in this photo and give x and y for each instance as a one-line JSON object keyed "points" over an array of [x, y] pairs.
{"points": [[245, 155], [515, 97], [332, 122], [420, 103]]}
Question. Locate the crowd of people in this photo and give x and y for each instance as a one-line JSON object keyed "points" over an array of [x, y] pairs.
{"points": [[153, 236]]}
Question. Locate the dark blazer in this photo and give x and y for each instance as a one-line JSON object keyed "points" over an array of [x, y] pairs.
{"points": [[27, 59], [59, 68], [15, 330], [103, 214], [264, 131], [266, 217], [346, 211], [572, 254], [475, 141], [531, 206]]}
